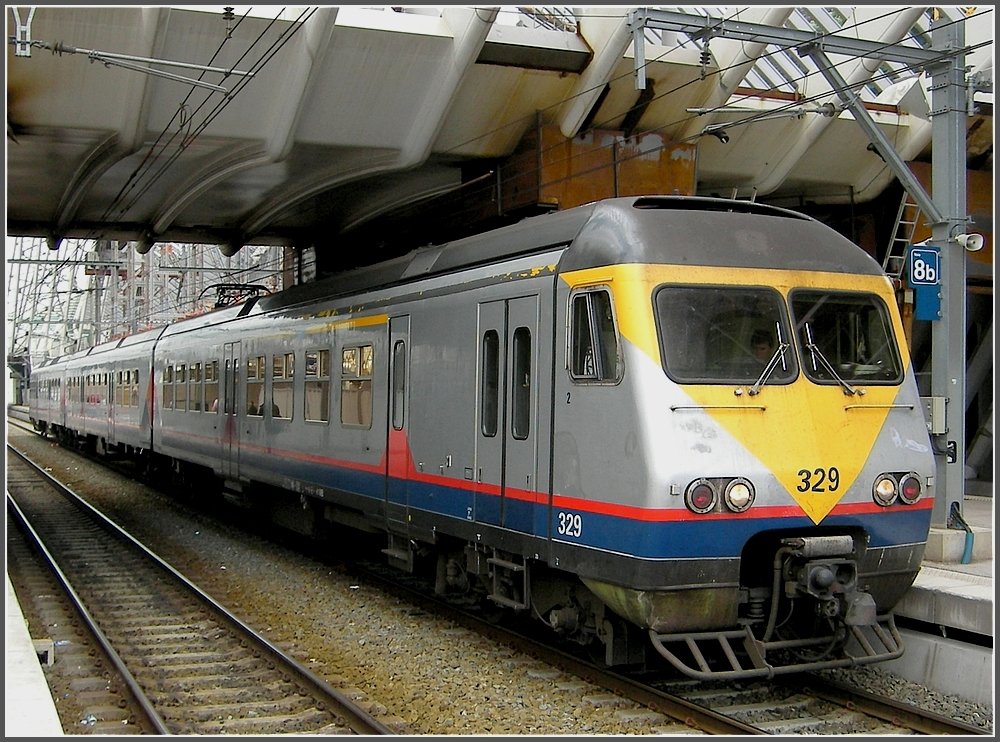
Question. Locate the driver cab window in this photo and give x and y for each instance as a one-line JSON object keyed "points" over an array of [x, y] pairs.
{"points": [[724, 335]]}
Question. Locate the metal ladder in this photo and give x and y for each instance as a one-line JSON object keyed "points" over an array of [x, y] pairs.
{"points": [[902, 237]]}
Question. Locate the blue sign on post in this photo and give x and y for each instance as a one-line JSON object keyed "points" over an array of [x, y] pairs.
{"points": [[925, 278]]}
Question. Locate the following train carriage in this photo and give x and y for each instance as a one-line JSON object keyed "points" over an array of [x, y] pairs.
{"points": [[669, 427]]}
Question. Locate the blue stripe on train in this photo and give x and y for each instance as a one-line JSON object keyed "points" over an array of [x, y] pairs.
{"points": [[689, 539]]}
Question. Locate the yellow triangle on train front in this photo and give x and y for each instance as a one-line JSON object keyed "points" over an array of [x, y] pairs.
{"points": [[814, 439]]}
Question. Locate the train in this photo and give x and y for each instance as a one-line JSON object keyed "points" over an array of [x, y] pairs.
{"points": [[670, 428]]}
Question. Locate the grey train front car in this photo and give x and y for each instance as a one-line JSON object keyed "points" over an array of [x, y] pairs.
{"points": [[675, 423]]}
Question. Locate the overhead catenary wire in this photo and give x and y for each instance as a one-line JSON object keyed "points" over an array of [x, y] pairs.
{"points": [[153, 177], [151, 152], [176, 154], [117, 202], [124, 206]]}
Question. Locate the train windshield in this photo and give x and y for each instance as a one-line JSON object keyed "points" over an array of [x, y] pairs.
{"points": [[845, 337], [724, 335]]}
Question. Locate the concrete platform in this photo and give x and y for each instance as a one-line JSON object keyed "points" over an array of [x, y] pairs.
{"points": [[29, 710], [949, 611]]}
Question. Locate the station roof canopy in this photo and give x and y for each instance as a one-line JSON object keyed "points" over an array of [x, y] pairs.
{"points": [[277, 125]]}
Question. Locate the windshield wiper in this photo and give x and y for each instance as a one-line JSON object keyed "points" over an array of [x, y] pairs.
{"points": [[815, 353], [779, 354]]}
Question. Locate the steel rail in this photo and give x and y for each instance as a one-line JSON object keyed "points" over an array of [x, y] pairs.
{"points": [[895, 712], [357, 718], [139, 697]]}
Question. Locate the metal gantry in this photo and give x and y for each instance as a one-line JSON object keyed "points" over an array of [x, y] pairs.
{"points": [[90, 291]]}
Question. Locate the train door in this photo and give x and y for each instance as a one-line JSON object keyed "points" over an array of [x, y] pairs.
{"points": [[397, 442], [111, 389], [228, 411], [506, 451]]}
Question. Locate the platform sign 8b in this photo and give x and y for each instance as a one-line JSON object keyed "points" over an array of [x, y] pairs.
{"points": [[925, 266]]}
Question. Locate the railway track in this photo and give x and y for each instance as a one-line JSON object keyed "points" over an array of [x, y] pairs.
{"points": [[190, 667]]}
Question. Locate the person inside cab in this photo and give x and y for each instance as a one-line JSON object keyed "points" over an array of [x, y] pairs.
{"points": [[762, 345]]}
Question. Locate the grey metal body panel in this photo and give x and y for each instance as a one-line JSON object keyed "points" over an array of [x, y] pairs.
{"points": [[442, 348], [104, 419]]}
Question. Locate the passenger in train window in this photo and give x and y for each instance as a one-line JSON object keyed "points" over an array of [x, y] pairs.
{"points": [[762, 345]]}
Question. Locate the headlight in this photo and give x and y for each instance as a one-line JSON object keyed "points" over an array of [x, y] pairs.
{"points": [[884, 490], [739, 495], [909, 488], [701, 496]]}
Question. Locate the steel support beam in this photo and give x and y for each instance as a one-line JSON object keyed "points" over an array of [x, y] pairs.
{"points": [[703, 27], [852, 101], [948, 182]]}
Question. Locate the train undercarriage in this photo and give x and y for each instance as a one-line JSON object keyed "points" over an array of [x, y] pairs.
{"points": [[821, 617]]}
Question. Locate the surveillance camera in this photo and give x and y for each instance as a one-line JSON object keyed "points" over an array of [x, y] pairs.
{"points": [[971, 242]]}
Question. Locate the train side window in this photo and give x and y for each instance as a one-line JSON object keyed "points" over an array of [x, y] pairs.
{"points": [[196, 391], [168, 387], [282, 380], [256, 367], [212, 386], [490, 395], [594, 355], [357, 365], [317, 404], [180, 388], [520, 423], [398, 384]]}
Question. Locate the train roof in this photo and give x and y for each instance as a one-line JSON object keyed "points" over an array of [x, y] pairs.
{"points": [[712, 232], [144, 336], [531, 235], [691, 230], [215, 317], [644, 229]]}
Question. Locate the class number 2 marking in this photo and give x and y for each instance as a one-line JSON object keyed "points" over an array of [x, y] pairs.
{"points": [[570, 524], [819, 480]]}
